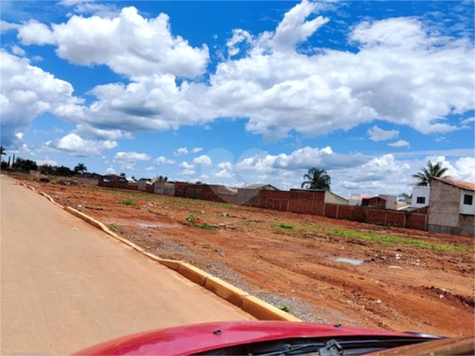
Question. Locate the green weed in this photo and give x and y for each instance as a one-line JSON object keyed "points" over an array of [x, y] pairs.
{"points": [[284, 226], [206, 226], [387, 239], [190, 219], [127, 202]]}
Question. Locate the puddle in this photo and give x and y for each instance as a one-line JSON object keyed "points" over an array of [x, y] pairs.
{"points": [[151, 226], [349, 260]]}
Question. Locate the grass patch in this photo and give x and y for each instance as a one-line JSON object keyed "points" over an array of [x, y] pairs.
{"points": [[206, 226], [387, 239], [127, 202], [113, 227], [285, 226], [247, 223], [191, 220]]}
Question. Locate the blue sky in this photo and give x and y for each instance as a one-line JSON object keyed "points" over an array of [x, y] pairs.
{"points": [[242, 92]]}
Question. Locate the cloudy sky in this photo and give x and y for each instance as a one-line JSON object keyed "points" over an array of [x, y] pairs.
{"points": [[242, 92]]}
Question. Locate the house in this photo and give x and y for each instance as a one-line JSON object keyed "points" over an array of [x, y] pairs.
{"points": [[144, 184], [249, 193], [391, 201], [166, 188], [113, 181], [420, 197], [374, 202], [451, 207], [382, 201], [328, 196]]}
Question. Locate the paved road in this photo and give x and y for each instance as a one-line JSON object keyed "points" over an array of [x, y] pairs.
{"points": [[66, 285]]}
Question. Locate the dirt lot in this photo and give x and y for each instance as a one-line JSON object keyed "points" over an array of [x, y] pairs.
{"points": [[405, 280]]}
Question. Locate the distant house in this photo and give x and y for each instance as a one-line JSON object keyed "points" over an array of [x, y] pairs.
{"points": [[144, 184], [249, 192], [381, 201], [112, 178], [451, 207], [373, 202], [113, 181], [166, 188], [420, 197], [329, 197]]}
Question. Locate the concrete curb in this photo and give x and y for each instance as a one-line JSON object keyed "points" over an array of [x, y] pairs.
{"points": [[51, 200], [250, 304]]}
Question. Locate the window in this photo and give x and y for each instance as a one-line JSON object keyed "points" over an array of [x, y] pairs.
{"points": [[467, 199], [421, 200]]}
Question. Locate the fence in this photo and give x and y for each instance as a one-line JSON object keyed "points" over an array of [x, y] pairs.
{"points": [[302, 202], [296, 201]]}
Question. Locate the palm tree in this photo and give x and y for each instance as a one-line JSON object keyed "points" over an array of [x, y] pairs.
{"points": [[316, 179], [80, 168], [426, 174]]}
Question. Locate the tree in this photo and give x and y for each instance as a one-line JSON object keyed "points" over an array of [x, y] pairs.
{"points": [[161, 179], [2, 151], [24, 165], [316, 179], [80, 168], [426, 174]]}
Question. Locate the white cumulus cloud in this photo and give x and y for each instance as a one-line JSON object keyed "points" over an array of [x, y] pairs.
{"points": [[181, 151], [27, 92], [163, 160], [377, 134], [203, 160], [78, 146], [399, 143], [128, 44]]}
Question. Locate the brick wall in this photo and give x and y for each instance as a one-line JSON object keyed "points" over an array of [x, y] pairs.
{"points": [[416, 221], [274, 199], [376, 217], [397, 219]]}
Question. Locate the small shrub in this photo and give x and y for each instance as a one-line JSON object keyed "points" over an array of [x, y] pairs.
{"points": [[190, 219], [284, 226], [127, 202], [113, 227]]}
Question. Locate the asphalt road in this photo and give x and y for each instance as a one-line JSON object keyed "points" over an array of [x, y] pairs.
{"points": [[65, 285]]}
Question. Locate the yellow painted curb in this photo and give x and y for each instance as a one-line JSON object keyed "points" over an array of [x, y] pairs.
{"points": [[225, 290], [264, 311], [171, 264], [193, 273], [86, 218]]}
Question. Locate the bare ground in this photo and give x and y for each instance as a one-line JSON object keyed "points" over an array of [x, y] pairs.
{"points": [[289, 259]]}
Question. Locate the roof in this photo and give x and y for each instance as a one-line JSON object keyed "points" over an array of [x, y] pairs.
{"points": [[457, 183], [260, 186], [373, 197]]}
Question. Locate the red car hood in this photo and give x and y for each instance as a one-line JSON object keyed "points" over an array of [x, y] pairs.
{"points": [[185, 340]]}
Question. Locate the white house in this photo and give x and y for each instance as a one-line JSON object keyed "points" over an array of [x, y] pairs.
{"points": [[420, 197]]}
